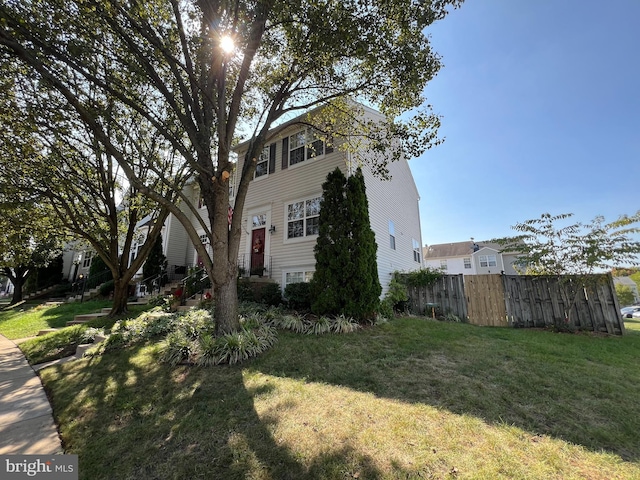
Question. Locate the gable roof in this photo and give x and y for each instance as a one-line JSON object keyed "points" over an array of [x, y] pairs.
{"points": [[458, 249]]}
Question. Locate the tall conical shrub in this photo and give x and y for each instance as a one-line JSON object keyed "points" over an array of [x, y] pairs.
{"points": [[332, 250], [346, 278], [363, 289]]}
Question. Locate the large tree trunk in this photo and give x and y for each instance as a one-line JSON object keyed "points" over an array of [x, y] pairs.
{"points": [[18, 277], [120, 297], [226, 307], [18, 283]]}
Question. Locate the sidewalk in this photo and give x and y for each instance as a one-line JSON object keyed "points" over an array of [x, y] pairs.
{"points": [[26, 418]]}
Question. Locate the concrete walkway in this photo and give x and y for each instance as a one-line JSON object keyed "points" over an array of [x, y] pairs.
{"points": [[26, 418]]}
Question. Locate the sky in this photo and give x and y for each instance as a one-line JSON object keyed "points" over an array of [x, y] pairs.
{"points": [[540, 106]]}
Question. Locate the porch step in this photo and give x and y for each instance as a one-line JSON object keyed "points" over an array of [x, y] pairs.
{"points": [[81, 349], [80, 319], [44, 331]]}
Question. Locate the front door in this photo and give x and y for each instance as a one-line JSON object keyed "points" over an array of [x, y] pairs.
{"points": [[257, 251]]}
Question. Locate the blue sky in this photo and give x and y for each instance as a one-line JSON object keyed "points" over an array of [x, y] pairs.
{"points": [[540, 102]]}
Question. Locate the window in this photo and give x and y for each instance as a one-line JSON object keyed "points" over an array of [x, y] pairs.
{"points": [[259, 220], [488, 261], [467, 262], [417, 257], [304, 145], [303, 218], [297, 277], [443, 264], [204, 238], [262, 167], [86, 263], [392, 235]]}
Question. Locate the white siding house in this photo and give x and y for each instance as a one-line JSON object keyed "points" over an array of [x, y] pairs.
{"points": [[469, 258], [280, 216], [282, 207]]}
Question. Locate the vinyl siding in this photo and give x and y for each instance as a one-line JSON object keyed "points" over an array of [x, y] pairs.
{"points": [[395, 200]]}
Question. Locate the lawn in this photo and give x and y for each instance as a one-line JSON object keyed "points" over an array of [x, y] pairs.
{"points": [[27, 319], [413, 398]]}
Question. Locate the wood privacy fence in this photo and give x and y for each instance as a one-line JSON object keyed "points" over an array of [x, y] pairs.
{"points": [[586, 302]]}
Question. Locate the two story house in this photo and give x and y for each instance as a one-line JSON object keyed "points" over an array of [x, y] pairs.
{"points": [[281, 212], [469, 258]]}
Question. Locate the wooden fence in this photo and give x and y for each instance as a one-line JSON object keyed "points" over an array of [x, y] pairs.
{"points": [[584, 302]]}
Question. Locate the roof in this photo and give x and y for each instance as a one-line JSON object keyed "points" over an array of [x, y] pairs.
{"points": [[458, 249]]}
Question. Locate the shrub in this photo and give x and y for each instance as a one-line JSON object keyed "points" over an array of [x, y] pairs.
{"points": [[396, 296], [298, 296], [107, 288], [178, 347], [245, 292], [271, 294]]}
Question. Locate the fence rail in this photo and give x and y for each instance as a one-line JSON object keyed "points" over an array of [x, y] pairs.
{"points": [[587, 302]]}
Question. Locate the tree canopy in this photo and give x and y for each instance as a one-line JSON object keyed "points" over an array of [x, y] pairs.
{"points": [[546, 248], [164, 63]]}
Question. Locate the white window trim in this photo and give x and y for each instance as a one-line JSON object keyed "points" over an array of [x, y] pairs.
{"points": [[488, 261], [303, 269], [417, 251], [266, 149], [467, 266], [304, 238], [306, 160]]}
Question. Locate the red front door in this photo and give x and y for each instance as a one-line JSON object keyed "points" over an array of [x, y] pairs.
{"points": [[257, 251]]}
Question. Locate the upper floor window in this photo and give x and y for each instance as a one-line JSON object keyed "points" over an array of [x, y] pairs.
{"points": [[417, 257], [86, 263], [305, 145], [443, 264], [488, 261], [467, 262], [392, 235], [303, 218], [262, 167]]}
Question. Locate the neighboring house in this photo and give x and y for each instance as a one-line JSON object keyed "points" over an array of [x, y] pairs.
{"points": [[469, 258], [76, 260], [629, 283], [280, 217]]}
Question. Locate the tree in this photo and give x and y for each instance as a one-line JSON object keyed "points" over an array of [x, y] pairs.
{"points": [[52, 157], [155, 265], [165, 60], [625, 294], [30, 239], [346, 277], [332, 249], [364, 285], [575, 249]]}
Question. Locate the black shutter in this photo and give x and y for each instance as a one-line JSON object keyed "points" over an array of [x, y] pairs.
{"points": [[272, 158], [285, 153]]}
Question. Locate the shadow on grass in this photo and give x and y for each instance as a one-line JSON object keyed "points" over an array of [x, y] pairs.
{"points": [[184, 422], [579, 388]]}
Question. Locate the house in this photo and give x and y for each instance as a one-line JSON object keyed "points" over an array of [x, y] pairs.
{"points": [[627, 281], [280, 216], [469, 258]]}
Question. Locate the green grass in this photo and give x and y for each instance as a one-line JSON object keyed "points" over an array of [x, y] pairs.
{"points": [[26, 322], [29, 318], [410, 399]]}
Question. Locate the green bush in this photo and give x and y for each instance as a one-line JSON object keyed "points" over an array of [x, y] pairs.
{"points": [[271, 294], [298, 296], [397, 295], [107, 288], [245, 292]]}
